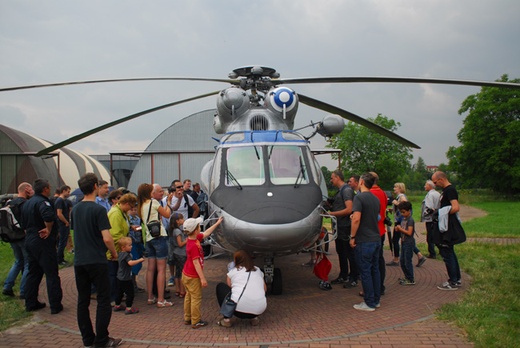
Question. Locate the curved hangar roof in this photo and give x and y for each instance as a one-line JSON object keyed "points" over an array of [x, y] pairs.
{"points": [[179, 152], [17, 163]]}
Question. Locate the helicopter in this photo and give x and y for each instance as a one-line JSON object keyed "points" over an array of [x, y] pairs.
{"points": [[264, 179]]}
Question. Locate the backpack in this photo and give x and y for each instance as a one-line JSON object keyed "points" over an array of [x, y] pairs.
{"points": [[10, 230], [187, 203]]}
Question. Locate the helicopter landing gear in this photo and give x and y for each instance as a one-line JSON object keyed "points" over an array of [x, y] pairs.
{"points": [[273, 277]]}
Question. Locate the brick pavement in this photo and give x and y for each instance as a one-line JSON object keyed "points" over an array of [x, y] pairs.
{"points": [[303, 316]]}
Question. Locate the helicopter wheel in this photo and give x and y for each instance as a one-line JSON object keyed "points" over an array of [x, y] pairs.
{"points": [[276, 285]]}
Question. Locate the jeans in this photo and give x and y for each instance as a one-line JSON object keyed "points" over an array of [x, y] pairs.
{"points": [[452, 263], [64, 232], [21, 264], [407, 249], [86, 275], [429, 239], [396, 238], [382, 266], [367, 256]]}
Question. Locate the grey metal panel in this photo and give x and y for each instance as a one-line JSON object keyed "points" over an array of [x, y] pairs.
{"points": [[181, 151], [191, 165]]}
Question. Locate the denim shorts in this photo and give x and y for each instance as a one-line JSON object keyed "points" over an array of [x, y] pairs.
{"points": [[157, 248]]}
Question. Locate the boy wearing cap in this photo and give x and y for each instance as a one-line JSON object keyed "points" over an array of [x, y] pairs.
{"points": [[192, 274]]}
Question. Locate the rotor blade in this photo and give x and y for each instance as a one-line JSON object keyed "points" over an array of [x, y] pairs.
{"points": [[355, 118], [116, 122], [234, 82], [398, 80]]}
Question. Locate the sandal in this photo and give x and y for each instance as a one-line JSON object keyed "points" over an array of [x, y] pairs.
{"points": [[181, 295], [164, 304], [152, 301]]}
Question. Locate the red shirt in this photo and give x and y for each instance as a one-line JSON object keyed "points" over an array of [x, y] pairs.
{"points": [[383, 200], [193, 252]]}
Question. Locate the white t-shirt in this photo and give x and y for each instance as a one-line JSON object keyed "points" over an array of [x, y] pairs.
{"points": [[253, 300], [183, 208]]}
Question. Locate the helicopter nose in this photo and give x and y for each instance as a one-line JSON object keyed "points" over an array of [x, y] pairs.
{"points": [[275, 205]]}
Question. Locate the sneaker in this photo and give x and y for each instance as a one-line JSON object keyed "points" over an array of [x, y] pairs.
{"points": [[112, 342], [432, 256], [338, 280], [363, 307], [378, 305], [392, 263], [118, 308], [63, 263], [200, 324], [8, 292], [171, 282], [324, 285], [255, 321], [458, 283], [447, 286], [421, 261], [131, 310], [39, 305], [407, 282], [350, 284]]}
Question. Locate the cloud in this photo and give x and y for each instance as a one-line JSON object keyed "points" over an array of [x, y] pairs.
{"points": [[62, 41]]}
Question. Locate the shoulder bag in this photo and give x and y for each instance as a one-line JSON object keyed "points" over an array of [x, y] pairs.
{"points": [[228, 305], [154, 226]]}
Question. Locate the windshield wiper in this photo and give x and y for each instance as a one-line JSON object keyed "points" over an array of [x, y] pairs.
{"points": [[301, 174], [231, 178]]}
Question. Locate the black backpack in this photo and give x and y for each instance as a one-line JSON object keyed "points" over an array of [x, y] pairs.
{"points": [[10, 230], [187, 203]]}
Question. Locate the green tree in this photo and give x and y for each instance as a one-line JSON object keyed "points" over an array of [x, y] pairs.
{"points": [[364, 150], [489, 155]]}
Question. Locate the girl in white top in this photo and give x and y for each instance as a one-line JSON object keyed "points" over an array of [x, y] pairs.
{"points": [[253, 301]]}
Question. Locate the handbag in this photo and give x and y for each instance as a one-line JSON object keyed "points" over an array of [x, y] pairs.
{"points": [[154, 226], [228, 305]]}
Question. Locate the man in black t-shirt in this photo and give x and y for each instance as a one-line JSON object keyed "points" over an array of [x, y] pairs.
{"points": [[63, 207], [341, 209], [449, 197], [92, 238]]}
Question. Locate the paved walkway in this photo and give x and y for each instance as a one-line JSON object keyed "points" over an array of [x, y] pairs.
{"points": [[303, 316]]}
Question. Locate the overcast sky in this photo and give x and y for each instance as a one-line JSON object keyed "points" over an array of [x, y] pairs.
{"points": [[56, 41]]}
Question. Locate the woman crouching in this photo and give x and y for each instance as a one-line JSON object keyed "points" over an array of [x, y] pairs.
{"points": [[247, 286]]}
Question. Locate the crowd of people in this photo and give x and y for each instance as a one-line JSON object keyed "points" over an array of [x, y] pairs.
{"points": [[111, 240], [113, 237], [360, 208]]}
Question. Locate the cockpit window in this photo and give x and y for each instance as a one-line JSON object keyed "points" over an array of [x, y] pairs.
{"points": [[244, 166], [287, 165]]}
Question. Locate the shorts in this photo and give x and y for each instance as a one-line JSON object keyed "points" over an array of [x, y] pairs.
{"points": [[157, 248]]}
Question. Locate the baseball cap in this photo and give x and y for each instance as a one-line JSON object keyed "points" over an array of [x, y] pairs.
{"points": [[191, 224]]}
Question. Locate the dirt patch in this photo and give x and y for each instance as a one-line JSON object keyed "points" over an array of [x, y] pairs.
{"points": [[467, 212]]}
